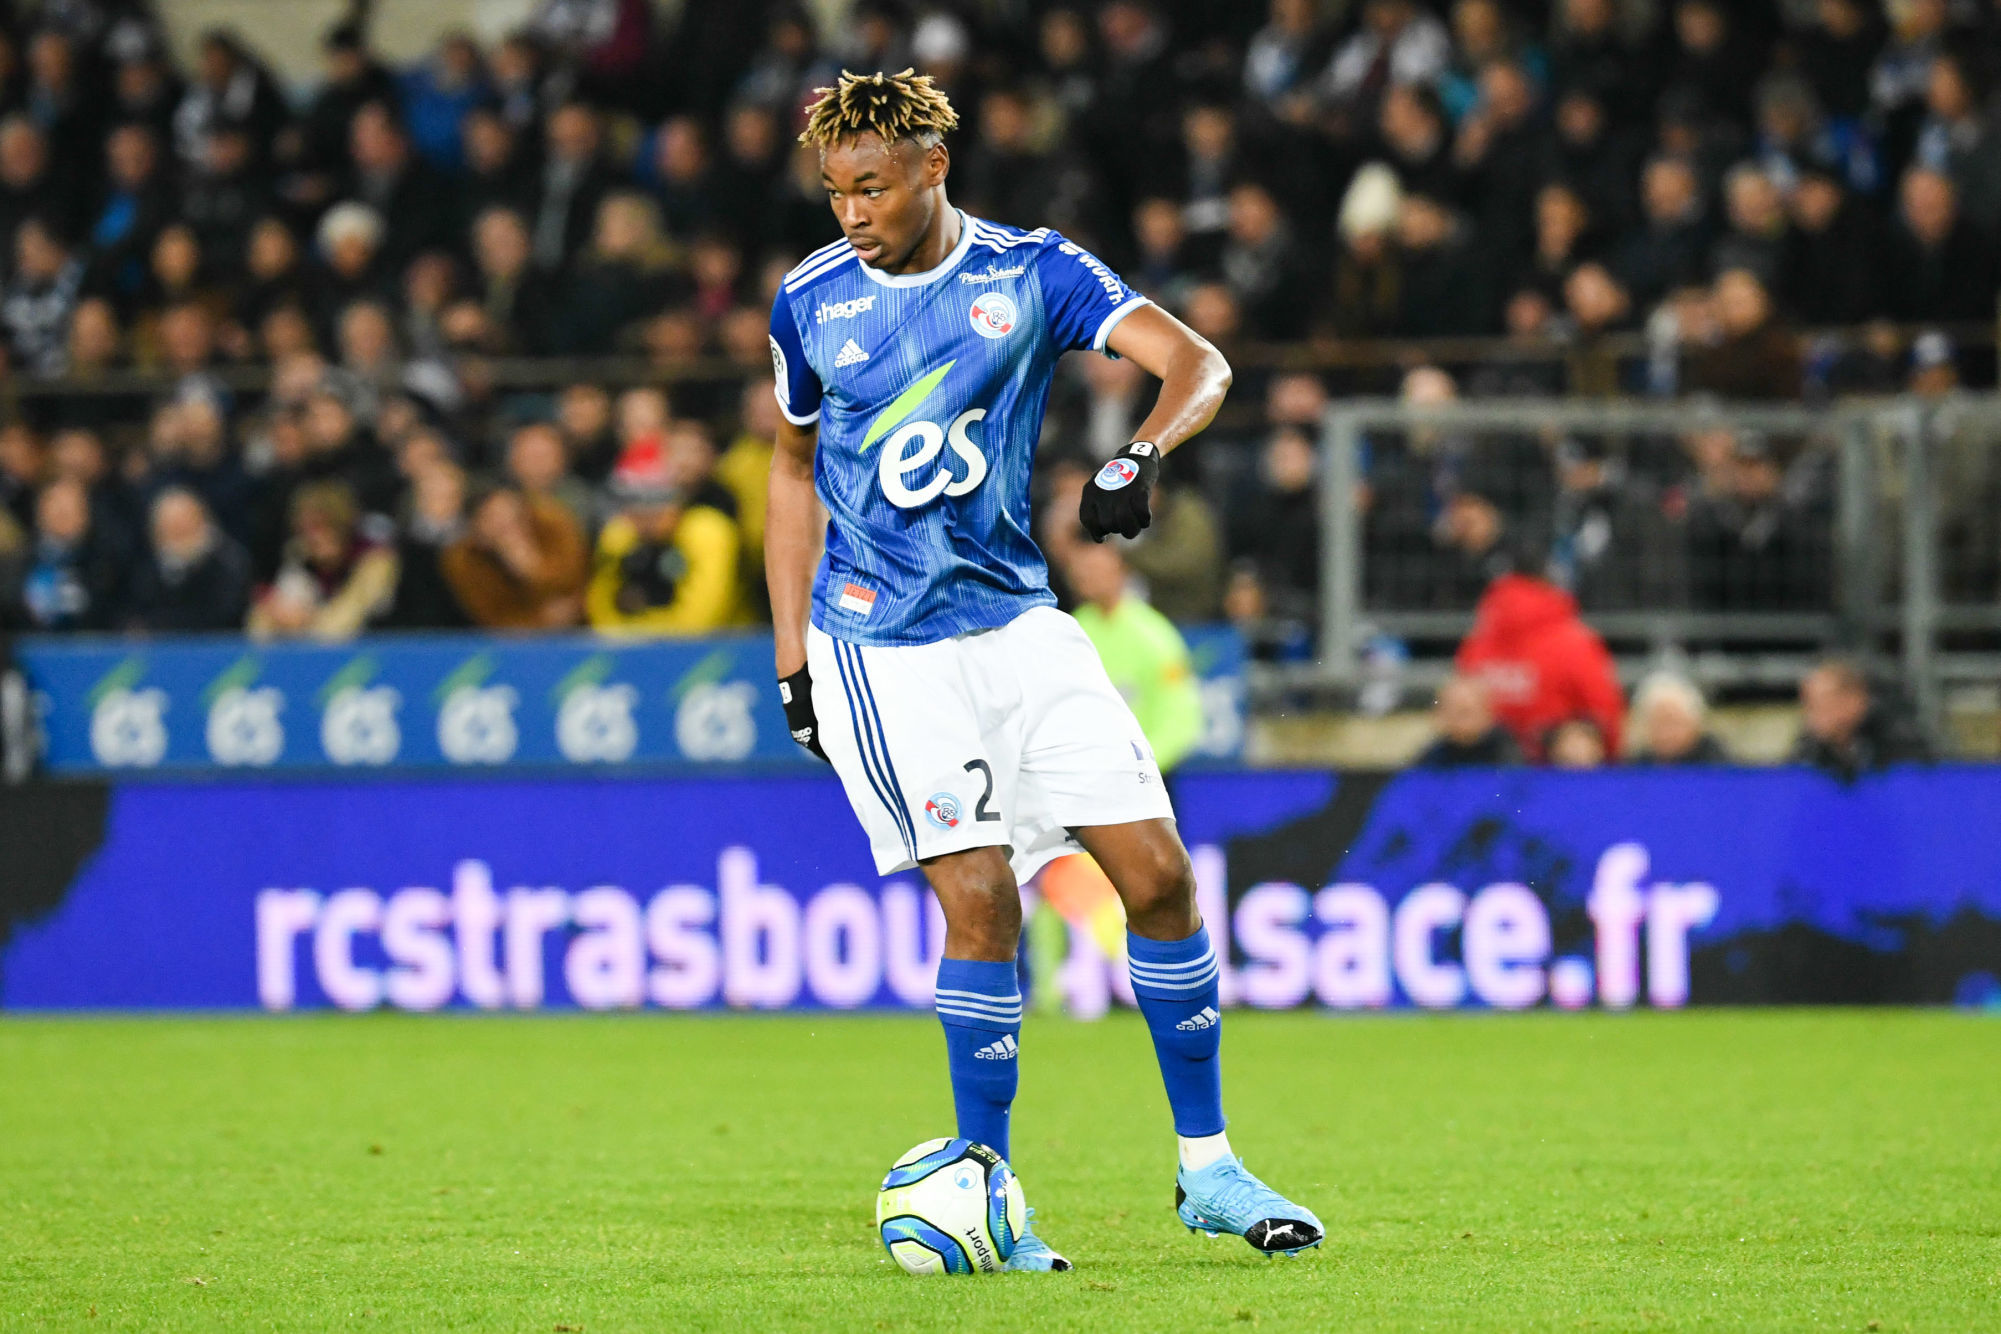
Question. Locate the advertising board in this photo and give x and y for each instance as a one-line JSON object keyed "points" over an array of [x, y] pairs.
{"points": [[1354, 892]]}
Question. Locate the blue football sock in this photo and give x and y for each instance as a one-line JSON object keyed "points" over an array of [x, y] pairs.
{"points": [[1175, 984], [979, 1004]]}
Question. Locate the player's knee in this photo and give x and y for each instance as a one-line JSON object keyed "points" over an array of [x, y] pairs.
{"points": [[999, 901], [1161, 892], [987, 920], [982, 905]]}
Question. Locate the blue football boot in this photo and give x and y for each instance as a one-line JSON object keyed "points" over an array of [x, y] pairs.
{"points": [[1225, 1197], [1032, 1254]]}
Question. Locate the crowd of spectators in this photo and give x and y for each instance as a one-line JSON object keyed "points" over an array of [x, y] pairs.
{"points": [[1715, 176]]}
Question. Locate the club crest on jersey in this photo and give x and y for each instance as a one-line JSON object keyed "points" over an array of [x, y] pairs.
{"points": [[994, 315], [942, 810], [1117, 473]]}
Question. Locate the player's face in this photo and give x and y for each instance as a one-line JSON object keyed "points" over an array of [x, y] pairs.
{"points": [[886, 197]]}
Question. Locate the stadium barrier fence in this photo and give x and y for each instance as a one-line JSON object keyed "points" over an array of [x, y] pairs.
{"points": [[1888, 542]]}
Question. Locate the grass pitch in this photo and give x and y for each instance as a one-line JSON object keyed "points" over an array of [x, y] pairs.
{"points": [[1695, 1171]]}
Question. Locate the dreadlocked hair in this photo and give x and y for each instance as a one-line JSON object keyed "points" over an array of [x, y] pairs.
{"points": [[890, 106]]}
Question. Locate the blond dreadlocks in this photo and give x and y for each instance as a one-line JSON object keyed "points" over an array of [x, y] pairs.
{"points": [[890, 106]]}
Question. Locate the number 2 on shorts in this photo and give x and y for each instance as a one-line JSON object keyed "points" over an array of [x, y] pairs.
{"points": [[980, 811]]}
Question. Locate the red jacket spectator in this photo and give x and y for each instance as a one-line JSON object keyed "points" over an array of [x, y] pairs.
{"points": [[1541, 663]]}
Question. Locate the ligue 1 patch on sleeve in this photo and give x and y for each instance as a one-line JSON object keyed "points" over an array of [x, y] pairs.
{"points": [[1117, 473], [856, 599]]}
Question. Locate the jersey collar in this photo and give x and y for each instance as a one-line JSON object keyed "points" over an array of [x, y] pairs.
{"points": [[929, 276]]}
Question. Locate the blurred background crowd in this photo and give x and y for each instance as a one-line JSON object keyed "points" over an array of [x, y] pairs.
{"points": [[480, 340]]}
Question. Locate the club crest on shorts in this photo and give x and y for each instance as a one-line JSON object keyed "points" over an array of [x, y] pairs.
{"points": [[1117, 473], [942, 810], [994, 315]]}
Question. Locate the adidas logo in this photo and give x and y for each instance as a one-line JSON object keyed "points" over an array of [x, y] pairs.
{"points": [[1003, 1050], [850, 353], [1195, 1023]]}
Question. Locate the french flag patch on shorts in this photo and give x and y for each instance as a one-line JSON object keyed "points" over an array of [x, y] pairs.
{"points": [[859, 600]]}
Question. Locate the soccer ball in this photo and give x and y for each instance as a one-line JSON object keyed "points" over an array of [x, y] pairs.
{"points": [[950, 1206]]}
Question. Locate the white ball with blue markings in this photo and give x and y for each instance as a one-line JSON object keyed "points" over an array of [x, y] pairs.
{"points": [[950, 1206]]}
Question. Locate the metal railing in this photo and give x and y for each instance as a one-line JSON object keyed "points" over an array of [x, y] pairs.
{"points": [[1347, 365], [1878, 523]]}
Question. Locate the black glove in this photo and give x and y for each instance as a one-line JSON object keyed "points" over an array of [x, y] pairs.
{"points": [[1120, 498], [795, 692]]}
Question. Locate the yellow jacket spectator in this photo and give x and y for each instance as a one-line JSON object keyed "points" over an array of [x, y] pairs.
{"points": [[1143, 653], [744, 471], [745, 467], [668, 563]]}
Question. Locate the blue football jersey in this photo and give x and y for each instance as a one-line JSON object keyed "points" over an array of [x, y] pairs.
{"points": [[929, 389]]}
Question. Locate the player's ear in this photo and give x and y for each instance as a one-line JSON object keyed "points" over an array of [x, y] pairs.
{"points": [[937, 164]]}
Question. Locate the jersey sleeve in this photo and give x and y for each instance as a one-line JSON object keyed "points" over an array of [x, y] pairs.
{"points": [[793, 381], [1082, 297]]}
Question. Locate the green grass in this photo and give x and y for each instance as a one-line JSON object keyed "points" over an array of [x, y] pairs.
{"points": [[1769, 1170]]}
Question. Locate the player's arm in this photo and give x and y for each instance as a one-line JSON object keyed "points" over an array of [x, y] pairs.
{"points": [[1194, 377], [793, 523], [792, 529], [792, 540], [1192, 373]]}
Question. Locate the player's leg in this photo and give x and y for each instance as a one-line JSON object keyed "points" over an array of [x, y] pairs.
{"points": [[899, 725], [1086, 767], [1175, 976], [891, 714], [979, 1005], [979, 994]]}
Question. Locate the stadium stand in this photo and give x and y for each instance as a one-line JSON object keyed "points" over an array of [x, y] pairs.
{"points": [[429, 347]]}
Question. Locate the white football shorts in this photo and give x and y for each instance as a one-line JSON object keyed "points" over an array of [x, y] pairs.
{"points": [[1005, 738]]}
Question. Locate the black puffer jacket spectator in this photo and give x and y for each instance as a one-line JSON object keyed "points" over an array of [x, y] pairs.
{"points": [[1754, 548], [1276, 522], [1847, 731], [1835, 276], [195, 577], [424, 598], [1468, 736], [1937, 266], [1669, 249]]}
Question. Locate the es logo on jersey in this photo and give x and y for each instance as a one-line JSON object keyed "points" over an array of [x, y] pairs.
{"points": [[942, 810], [912, 446], [994, 315]]}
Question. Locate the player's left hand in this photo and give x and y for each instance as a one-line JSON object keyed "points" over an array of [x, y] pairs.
{"points": [[1120, 498], [795, 692]]}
